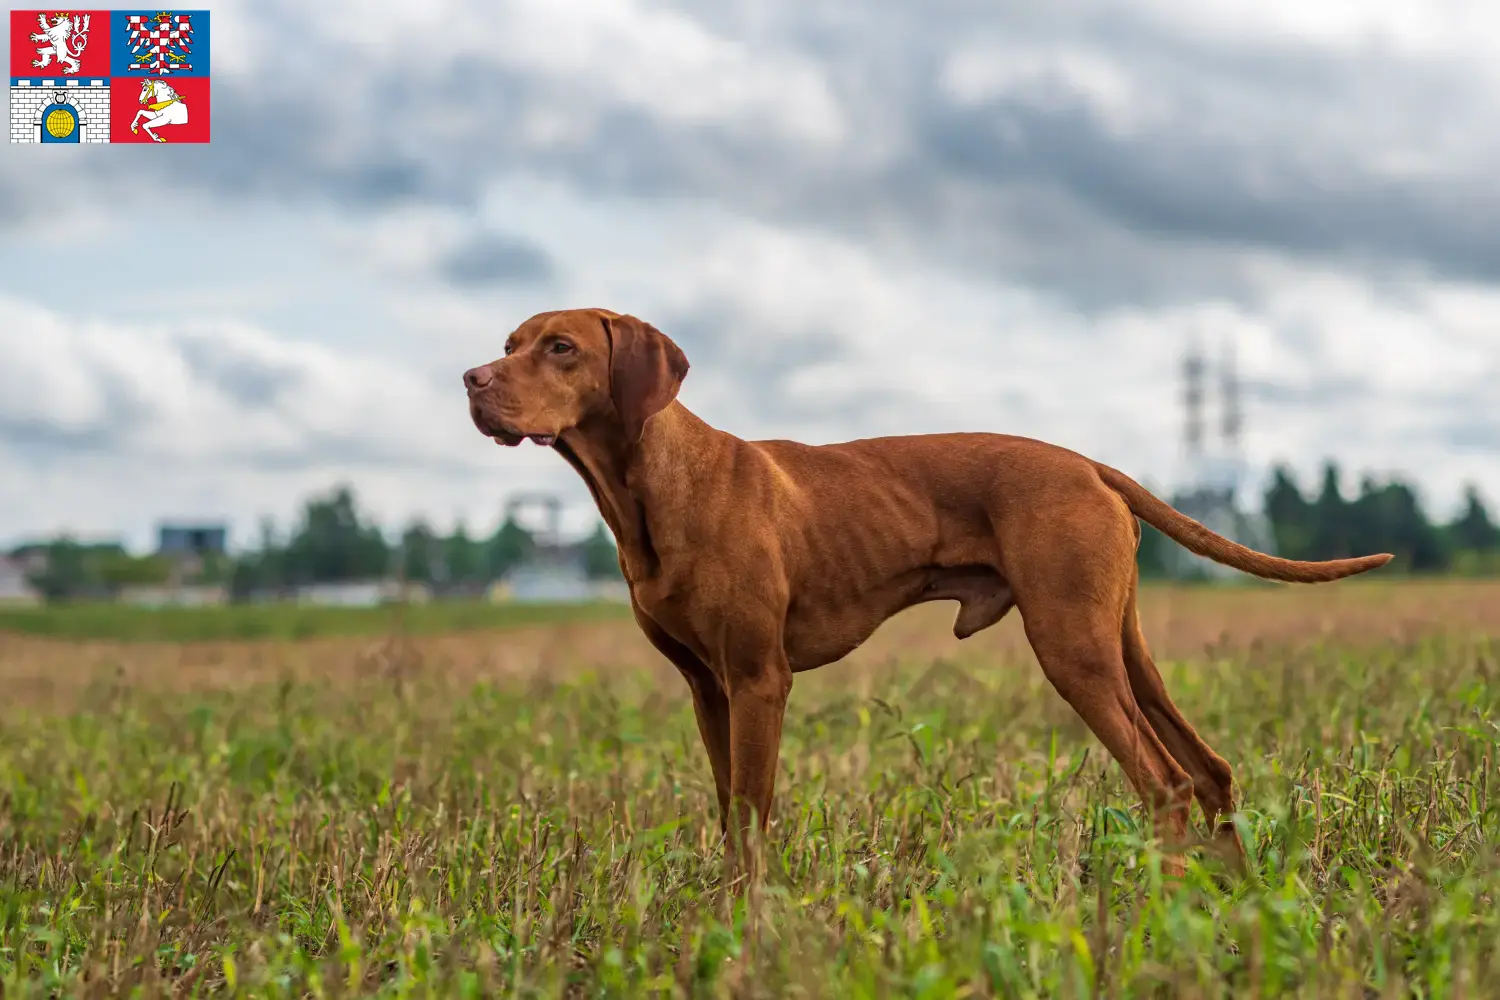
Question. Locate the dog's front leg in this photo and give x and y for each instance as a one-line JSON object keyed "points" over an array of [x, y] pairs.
{"points": [[710, 704], [758, 688], [711, 707]]}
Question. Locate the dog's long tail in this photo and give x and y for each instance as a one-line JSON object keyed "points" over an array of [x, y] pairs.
{"points": [[1196, 538]]}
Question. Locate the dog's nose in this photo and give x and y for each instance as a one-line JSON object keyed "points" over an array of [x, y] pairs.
{"points": [[478, 378]]}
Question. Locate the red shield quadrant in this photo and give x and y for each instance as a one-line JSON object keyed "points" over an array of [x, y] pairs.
{"points": [[92, 54], [125, 107]]}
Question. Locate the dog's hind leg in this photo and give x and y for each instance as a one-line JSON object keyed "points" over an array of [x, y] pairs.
{"points": [[1213, 780], [1072, 567], [1084, 663]]}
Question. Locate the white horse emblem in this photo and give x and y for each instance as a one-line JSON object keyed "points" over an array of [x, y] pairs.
{"points": [[65, 38], [163, 106]]}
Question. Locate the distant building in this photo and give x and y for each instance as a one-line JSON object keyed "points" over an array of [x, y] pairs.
{"points": [[186, 547], [15, 589], [191, 539]]}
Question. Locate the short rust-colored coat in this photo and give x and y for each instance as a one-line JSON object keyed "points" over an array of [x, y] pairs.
{"points": [[749, 561]]}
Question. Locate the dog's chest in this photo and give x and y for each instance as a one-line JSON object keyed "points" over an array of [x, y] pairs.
{"points": [[670, 608]]}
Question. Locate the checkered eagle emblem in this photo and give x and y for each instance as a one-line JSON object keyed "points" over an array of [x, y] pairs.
{"points": [[160, 43]]}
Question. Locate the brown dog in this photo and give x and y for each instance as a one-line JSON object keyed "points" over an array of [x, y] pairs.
{"points": [[749, 561]]}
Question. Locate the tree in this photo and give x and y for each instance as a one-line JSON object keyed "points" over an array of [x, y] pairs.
{"points": [[510, 546], [419, 550], [332, 544], [76, 571], [121, 569], [464, 558], [1289, 513], [264, 571], [1151, 556], [1474, 531], [1331, 527], [1389, 518], [67, 574], [601, 560]]}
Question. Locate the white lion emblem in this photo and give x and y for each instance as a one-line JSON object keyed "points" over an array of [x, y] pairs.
{"points": [[65, 39]]}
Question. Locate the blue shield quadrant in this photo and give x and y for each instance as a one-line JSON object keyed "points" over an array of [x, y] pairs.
{"points": [[160, 43], [60, 123]]}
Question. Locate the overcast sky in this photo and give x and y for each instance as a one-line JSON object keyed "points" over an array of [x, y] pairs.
{"points": [[856, 218]]}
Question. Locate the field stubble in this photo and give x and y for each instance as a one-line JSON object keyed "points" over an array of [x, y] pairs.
{"points": [[530, 813]]}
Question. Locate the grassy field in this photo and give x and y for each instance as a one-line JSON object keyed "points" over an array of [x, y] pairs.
{"points": [[286, 621], [528, 812]]}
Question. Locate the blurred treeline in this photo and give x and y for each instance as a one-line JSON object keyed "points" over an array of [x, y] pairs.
{"points": [[1382, 516], [333, 541]]}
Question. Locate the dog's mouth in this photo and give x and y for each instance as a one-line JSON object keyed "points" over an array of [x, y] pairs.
{"points": [[510, 437], [504, 434]]}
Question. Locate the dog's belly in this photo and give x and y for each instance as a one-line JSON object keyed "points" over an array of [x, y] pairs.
{"points": [[815, 636], [821, 629]]}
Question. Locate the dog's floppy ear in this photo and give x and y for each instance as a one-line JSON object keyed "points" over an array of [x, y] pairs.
{"points": [[645, 371]]}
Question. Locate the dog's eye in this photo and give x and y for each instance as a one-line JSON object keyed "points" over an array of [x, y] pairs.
{"points": [[561, 347], [509, 347]]}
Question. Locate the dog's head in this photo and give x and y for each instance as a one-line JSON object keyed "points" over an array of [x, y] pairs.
{"points": [[561, 369]]}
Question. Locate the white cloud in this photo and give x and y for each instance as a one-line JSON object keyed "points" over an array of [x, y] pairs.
{"points": [[225, 418], [1416, 27], [605, 52], [1050, 76]]}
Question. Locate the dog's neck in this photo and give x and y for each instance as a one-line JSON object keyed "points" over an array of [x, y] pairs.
{"points": [[654, 474]]}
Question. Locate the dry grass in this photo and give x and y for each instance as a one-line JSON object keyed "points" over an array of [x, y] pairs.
{"points": [[528, 812], [49, 673]]}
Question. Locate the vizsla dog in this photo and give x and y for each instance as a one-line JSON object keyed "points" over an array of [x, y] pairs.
{"points": [[750, 561]]}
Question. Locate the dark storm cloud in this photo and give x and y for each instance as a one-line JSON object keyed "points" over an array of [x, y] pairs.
{"points": [[1183, 186], [40, 437], [250, 381], [298, 149], [118, 416], [1252, 144], [495, 259]]}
